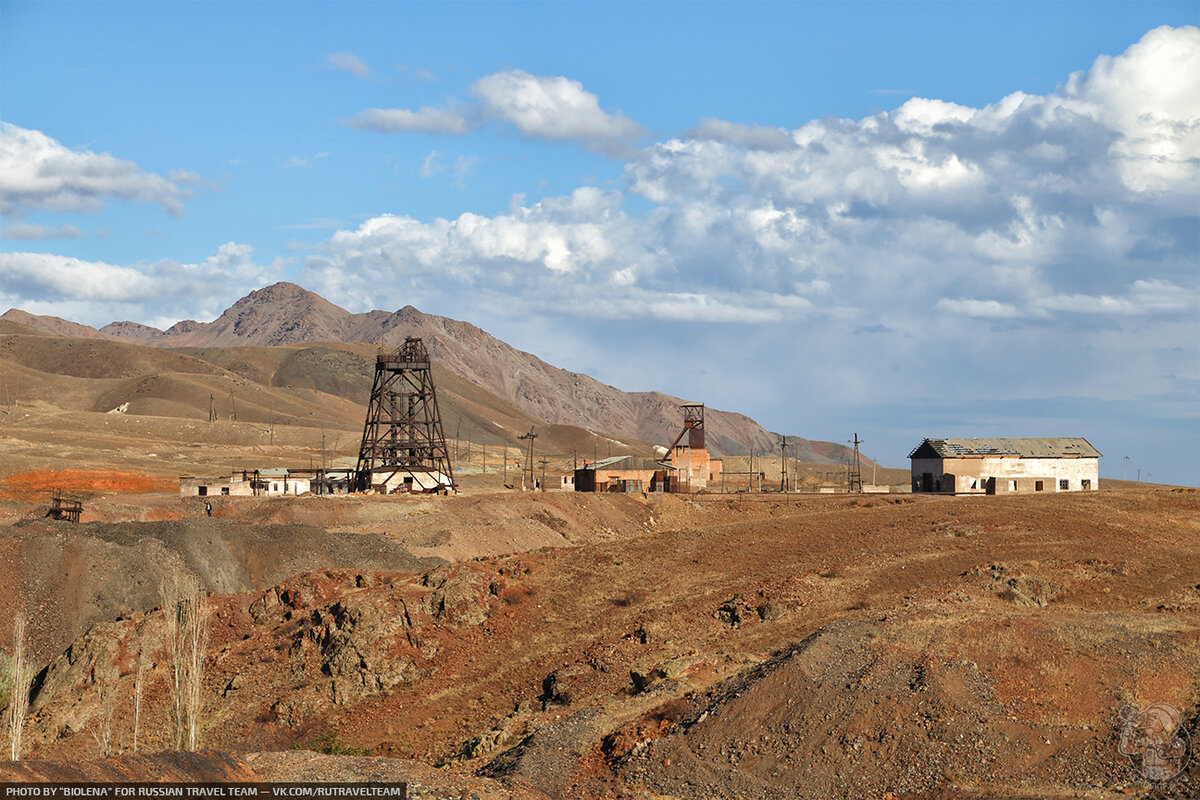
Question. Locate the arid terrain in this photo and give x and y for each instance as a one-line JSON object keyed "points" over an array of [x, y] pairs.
{"points": [[507, 644]]}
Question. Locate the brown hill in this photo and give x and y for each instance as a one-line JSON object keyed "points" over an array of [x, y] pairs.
{"points": [[324, 386], [286, 314]]}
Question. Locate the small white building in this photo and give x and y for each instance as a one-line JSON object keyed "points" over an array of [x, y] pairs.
{"points": [[245, 483], [401, 480], [1003, 466]]}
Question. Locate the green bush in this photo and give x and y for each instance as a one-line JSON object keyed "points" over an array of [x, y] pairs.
{"points": [[331, 744]]}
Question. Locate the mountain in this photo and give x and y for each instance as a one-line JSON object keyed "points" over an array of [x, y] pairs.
{"points": [[287, 314]]}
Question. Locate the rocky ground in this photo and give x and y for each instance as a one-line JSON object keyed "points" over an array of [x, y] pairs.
{"points": [[659, 647]]}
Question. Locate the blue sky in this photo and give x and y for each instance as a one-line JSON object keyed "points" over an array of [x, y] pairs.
{"points": [[901, 219]]}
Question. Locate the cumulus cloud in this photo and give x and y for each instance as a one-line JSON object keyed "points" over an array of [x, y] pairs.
{"points": [[553, 108], [39, 172], [1069, 216], [348, 62], [46, 283]]}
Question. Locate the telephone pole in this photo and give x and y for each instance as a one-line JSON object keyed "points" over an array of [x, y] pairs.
{"points": [[543, 462], [529, 459], [783, 487]]}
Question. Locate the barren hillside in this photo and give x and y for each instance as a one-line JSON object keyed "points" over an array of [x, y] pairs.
{"points": [[286, 314], [707, 648]]}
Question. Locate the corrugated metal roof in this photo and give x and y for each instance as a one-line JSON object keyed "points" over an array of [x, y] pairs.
{"points": [[1061, 447], [626, 463]]}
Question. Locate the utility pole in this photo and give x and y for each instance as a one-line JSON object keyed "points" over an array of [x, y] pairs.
{"points": [[232, 408], [1125, 469], [322, 449], [855, 476], [1139, 474], [529, 460], [212, 409], [504, 460], [543, 462], [783, 466]]}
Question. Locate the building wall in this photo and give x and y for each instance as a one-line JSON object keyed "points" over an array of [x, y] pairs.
{"points": [[695, 467], [385, 481], [1005, 474], [214, 487]]}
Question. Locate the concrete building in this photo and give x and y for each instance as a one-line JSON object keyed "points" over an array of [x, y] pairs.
{"points": [[625, 474], [1003, 466], [250, 483], [399, 480]]}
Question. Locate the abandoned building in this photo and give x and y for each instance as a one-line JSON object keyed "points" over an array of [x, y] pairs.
{"points": [[274, 482], [625, 474], [1001, 466], [679, 468]]}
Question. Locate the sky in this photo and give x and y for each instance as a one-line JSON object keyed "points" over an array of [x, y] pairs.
{"points": [[892, 219]]}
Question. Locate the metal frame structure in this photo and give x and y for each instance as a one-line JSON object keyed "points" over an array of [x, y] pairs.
{"points": [[403, 431], [693, 427], [63, 509], [854, 471]]}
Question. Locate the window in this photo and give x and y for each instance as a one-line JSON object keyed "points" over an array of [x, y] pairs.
{"points": [[1063, 485], [225, 490], [1037, 486], [974, 483], [202, 490], [1085, 484], [1012, 486]]}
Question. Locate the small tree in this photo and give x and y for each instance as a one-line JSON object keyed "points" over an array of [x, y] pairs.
{"points": [[22, 679], [187, 611]]}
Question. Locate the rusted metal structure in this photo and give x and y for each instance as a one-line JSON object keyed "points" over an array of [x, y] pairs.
{"points": [[693, 427], [61, 508], [403, 434]]}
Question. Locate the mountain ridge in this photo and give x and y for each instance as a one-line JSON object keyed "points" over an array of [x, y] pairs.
{"points": [[285, 313]]}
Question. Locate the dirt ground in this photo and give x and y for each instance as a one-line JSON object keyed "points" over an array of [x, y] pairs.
{"points": [[565, 645]]}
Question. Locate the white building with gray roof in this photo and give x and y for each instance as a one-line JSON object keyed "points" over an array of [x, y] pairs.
{"points": [[1004, 466]]}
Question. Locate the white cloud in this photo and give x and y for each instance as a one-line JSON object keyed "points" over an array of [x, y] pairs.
{"points": [[553, 108], [348, 62], [755, 137], [399, 120], [988, 309], [88, 291], [31, 232], [39, 172], [1019, 211], [541, 107], [1143, 297]]}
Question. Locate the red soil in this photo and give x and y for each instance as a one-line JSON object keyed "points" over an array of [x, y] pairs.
{"points": [[34, 485]]}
